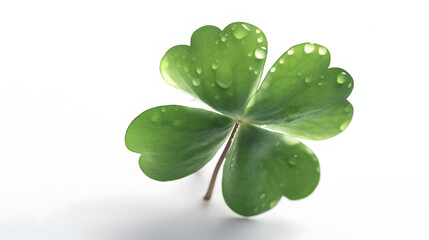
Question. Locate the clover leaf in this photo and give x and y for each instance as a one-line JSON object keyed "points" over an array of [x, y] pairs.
{"points": [[300, 97]]}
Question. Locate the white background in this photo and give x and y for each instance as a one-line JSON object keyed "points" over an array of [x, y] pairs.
{"points": [[73, 74]]}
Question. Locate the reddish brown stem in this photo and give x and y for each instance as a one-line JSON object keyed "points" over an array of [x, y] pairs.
{"points": [[219, 163]]}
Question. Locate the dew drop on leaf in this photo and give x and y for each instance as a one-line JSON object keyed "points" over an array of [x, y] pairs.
{"points": [[199, 70], [318, 169], [215, 65], [196, 82], [273, 69], [292, 112], [350, 85], [349, 108], [224, 38], [155, 116], [308, 79], [261, 53], [322, 50], [308, 48], [262, 196], [224, 82], [290, 51], [163, 109], [341, 78], [260, 39], [292, 161], [258, 31], [320, 83], [241, 32], [281, 61]]}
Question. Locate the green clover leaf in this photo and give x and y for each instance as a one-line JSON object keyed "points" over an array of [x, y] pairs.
{"points": [[300, 97]]}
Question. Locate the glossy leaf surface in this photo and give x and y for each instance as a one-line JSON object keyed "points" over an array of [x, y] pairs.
{"points": [[263, 166], [175, 141], [300, 87], [221, 67]]}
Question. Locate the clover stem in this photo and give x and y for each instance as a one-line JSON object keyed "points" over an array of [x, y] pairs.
{"points": [[219, 163]]}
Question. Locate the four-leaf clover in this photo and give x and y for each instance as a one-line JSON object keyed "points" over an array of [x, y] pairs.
{"points": [[300, 96]]}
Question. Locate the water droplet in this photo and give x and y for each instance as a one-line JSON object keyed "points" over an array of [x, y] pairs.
{"points": [[258, 31], [232, 165], [212, 85], [155, 116], [176, 123], [292, 112], [318, 169], [344, 125], [262, 196], [281, 61], [320, 83], [341, 78], [263, 205], [256, 209], [274, 203], [224, 38], [277, 143], [217, 97], [273, 69], [241, 32], [234, 27], [260, 39], [249, 54], [308, 79], [250, 68], [196, 82], [217, 41], [290, 51], [308, 48], [314, 158], [322, 50], [256, 72], [163, 109], [349, 108], [224, 82], [205, 143], [299, 73], [261, 53], [290, 141], [215, 65], [350, 85], [292, 161], [199, 70]]}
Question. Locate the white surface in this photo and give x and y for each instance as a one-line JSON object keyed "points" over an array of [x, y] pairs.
{"points": [[74, 74]]}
